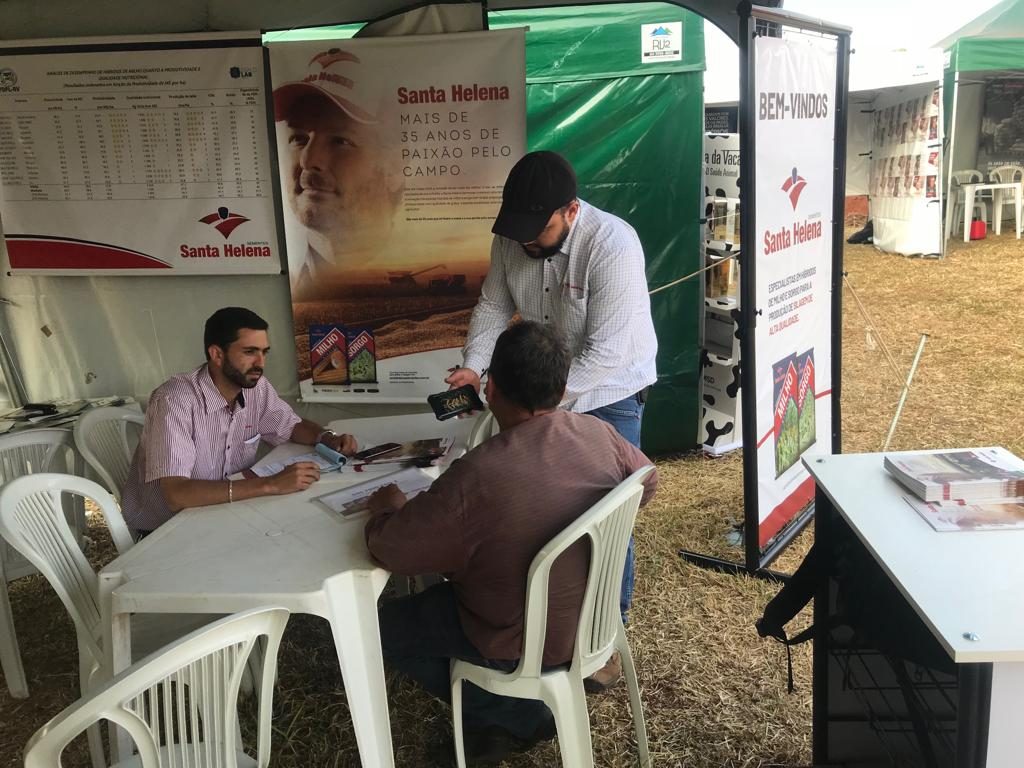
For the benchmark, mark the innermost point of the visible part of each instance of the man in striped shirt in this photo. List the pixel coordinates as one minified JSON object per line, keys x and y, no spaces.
{"x":557,"y":260}
{"x":206,"y":425}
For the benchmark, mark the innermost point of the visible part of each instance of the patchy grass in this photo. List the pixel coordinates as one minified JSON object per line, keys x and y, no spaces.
{"x":714,"y":693}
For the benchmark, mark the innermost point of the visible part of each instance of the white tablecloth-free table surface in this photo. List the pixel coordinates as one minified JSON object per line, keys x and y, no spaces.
{"x":277,"y":550}
{"x":965,"y":585}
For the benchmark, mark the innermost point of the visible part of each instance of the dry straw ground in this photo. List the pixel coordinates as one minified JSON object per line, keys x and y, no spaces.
{"x":714,"y":694}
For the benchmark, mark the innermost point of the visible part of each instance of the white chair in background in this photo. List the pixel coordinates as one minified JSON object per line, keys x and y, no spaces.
{"x":485,"y":428}
{"x":104,"y":438}
{"x":148,"y":700}
{"x":33,"y":522}
{"x":22,"y":453}
{"x":608,"y":525}
{"x":1006,"y":174}
{"x":957,"y":180}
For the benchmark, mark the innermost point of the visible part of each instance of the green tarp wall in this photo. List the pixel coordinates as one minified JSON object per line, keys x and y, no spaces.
{"x":634,"y":133}
{"x":993,"y":41}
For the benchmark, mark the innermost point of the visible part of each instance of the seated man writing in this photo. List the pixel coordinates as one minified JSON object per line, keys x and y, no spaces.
{"x":482,"y":523}
{"x":203,"y":426}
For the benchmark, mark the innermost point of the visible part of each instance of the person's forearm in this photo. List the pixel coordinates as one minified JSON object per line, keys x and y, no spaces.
{"x":307,"y":432}
{"x":180,"y":493}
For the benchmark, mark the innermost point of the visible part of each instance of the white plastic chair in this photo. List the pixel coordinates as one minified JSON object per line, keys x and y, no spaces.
{"x":1006,"y":174}
{"x":486,"y":427}
{"x":22,"y":453}
{"x":969,"y":176}
{"x":165,"y":701}
{"x":102,"y":437}
{"x":32,"y":521}
{"x":608,"y":524}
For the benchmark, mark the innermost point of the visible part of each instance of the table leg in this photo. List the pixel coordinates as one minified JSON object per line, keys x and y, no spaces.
{"x":352,"y":607}
{"x":10,"y":655}
{"x":968,"y":210}
{"x":117,"y":645}
{"x":1017,"y":191}
{"x":1005,"y":737}
{"x":997,"y":214}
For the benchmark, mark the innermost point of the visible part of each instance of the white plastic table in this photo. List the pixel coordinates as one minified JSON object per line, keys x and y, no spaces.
{"x":965,"y":586}
{"x":998,"y":190}
{"x":283,"y":551}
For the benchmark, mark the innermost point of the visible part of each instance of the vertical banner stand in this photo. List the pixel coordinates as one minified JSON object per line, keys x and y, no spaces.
{"x":757,"y":21}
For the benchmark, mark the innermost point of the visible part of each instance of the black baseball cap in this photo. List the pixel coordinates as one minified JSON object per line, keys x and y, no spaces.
{"x":537,"y":186}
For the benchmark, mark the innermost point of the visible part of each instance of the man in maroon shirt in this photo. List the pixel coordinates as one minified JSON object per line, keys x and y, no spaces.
{"x":482,"y":523}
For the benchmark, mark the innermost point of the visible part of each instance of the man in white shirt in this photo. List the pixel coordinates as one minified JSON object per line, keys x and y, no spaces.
{"x":556,"y":259}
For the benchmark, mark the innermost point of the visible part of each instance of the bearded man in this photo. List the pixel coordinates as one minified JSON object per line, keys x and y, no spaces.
{"x":206,"y":425}
{"x":557,"y":260}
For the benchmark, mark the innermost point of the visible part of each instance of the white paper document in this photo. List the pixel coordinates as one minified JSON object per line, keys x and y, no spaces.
{"x":353,"y":500}
{"x":272,"y":468}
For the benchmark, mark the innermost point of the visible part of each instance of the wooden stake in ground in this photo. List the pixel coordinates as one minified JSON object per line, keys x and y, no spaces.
{"x":905,"y":392}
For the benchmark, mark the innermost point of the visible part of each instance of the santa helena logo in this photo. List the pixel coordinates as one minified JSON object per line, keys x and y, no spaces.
{"x":224,"y":221}
{"x":793,"y":186}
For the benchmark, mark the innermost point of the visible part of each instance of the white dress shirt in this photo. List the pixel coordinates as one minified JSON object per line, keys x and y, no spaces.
{"x":594,"y":290}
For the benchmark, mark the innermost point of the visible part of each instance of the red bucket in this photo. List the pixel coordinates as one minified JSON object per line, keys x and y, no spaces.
{"x":978,"y":229}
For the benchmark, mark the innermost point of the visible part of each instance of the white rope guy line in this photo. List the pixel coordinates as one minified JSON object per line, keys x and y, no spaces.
{"x":693,"y":274}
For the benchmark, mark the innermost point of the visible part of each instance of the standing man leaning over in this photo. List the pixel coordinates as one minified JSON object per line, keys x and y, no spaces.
{"x":482,"y":523}
{"x":206,"y":425}
{"x":557,"y":260}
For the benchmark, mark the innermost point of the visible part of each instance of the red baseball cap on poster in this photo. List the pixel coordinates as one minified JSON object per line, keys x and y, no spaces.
{"x":332,"y":74}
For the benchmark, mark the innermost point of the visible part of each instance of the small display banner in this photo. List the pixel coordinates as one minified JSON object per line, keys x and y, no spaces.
{"x":795,"y":84}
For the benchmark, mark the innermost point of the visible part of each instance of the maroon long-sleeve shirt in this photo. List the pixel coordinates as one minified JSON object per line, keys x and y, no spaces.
{"x":485,"y":519}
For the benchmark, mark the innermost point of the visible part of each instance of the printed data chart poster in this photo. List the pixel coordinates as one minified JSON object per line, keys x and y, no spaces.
{"x":393,"y":153}
{"x":795,"y":85}
{"x":136,"y":156}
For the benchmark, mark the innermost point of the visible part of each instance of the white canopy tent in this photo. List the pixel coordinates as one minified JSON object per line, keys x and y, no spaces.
{"x":878,"y":80}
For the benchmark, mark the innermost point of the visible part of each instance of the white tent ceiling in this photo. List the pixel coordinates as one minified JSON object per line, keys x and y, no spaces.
{"x":26,"y":19}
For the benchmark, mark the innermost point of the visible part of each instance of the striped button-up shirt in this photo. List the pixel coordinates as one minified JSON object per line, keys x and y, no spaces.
{"x":192,"y":431}
{"x":594,"y":291}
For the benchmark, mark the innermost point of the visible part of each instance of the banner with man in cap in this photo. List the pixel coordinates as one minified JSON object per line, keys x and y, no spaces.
{"x":392,"y":155}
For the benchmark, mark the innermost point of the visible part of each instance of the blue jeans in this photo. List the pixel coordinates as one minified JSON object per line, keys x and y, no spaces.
{"x":625,"y":416}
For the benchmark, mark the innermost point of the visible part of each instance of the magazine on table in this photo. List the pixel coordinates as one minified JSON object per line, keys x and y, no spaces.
{"x":355,"y":499}
{"x":977,"y":474}
{"x":999,"y":515}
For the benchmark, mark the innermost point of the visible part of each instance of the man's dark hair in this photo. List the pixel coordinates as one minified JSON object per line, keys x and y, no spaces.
{"x":530,"y":365}
{"x":222,"y":326}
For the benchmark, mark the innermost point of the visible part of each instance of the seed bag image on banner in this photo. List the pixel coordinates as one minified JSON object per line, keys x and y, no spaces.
{"x":392,"y":153}
{"x":795,"y":84}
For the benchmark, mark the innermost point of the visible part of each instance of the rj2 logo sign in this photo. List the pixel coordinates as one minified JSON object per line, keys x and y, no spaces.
{"x":661,"y":42}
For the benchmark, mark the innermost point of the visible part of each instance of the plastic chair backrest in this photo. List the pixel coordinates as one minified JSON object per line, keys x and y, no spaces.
{"x":186,"y":689}
{"x":34,"y":450}
{"x":969,"y":176}
{"x":1005,"y":174}
{"x":101,"y":436}
{"x":23,"y":453}
{"x":32,"y":521}
{"x":485,"y":428}
{"x":608,"y":524}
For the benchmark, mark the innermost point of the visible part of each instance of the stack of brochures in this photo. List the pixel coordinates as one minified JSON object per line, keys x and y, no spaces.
{"x":975,"y":489}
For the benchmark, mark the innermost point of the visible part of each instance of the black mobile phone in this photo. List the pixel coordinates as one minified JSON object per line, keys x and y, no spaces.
{"x":378,"y":450}
{"x":455,"y":401}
